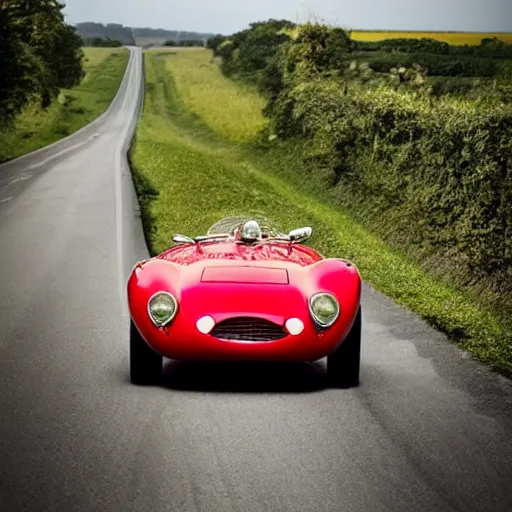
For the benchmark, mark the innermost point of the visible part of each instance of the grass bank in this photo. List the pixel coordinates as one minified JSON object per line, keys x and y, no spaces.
{"x":195,"y":160}
{"x":35,"y":128}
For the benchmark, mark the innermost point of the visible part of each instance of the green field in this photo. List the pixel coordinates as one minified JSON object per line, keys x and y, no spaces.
{"x":35,"y":128}
{"x":194,"y":162}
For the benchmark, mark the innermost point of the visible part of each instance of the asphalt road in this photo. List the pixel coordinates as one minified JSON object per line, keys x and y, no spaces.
{"x":427,"y":430}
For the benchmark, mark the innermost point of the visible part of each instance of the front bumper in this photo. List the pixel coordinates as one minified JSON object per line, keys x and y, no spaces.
{"x":182,"y":341}
{"x":272,"y":301}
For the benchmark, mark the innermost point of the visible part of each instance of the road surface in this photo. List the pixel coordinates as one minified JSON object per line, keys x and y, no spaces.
{"x":428,"y":429}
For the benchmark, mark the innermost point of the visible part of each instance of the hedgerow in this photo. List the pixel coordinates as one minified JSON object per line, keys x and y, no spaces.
{"x":488,"y":48}
{"x":429,"y":172}
{"x":437,"y":65}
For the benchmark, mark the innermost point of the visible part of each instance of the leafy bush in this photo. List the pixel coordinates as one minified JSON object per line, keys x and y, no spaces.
{"x":316,"y":49}
{"x":437,"y":65}
{"x":250,"y":52}
{"x":457,"y":86}
{"x":488,"y":48}
{"x":405,"y":45}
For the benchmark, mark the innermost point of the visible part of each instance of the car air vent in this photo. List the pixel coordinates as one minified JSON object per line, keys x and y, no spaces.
{"x":248,"y":329}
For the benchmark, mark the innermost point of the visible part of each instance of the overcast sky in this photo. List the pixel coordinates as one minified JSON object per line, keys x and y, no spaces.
{"x":228,"y":16}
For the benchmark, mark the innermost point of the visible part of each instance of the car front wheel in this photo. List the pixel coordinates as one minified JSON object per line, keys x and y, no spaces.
{"x":145,"y":363}
{"x":344,"y":363}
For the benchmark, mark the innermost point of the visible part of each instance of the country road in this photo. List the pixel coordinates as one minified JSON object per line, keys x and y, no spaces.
{"x":427,"y":430}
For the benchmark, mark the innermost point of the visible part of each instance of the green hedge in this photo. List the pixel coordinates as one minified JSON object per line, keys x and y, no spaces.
{"x":489,"y":47}
{"x":432,"y":175}
{"x":437,"y":65}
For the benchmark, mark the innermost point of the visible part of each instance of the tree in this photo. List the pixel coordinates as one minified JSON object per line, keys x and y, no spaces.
{"x":214,"y":42}
{"x":66,"y":57}
{"x":16,"y":82}
{"x":317,"y":49}
{"x":54,"y":44}
{"x":49,"y":49}
{"x":260,"y":45}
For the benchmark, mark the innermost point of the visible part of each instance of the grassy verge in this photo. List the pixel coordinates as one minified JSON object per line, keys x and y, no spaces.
{"x":195,"y":161}
{"x":35,"y":128}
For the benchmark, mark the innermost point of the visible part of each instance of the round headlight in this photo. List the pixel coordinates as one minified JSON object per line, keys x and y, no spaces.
{"x":162,"y":308}
{"x":324,"y":309}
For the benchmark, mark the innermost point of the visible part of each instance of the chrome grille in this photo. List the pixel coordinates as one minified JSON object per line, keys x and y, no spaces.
{"x":248,"y":329}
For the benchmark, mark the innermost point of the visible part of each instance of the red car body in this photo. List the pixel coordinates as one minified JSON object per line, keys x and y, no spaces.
{"x":250,"y":290}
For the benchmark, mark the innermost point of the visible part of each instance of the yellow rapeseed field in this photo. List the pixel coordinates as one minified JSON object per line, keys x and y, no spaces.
{"x":455,"y":38}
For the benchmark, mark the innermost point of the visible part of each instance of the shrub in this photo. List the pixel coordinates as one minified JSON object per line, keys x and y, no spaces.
{"x":436,"y":65}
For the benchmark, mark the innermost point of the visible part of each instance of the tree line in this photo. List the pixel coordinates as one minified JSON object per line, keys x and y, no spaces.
{"x":101,"y":43}
{"x":185,"y":42}
{"x":90,"y":31}
{"x":113,"y":31}
{"x":40,"y":55}
{"x":489,"y":47}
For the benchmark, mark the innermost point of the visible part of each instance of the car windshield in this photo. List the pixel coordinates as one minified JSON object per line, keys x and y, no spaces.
{"x":228,"y":225}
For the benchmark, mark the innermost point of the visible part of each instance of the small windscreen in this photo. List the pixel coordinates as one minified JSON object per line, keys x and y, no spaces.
{"x":228,"y":225}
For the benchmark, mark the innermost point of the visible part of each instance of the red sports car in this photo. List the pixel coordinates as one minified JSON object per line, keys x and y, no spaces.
{"x":245,"y":292}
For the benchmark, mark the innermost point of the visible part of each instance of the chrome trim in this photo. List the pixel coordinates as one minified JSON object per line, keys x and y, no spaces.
{"x":300,"y":235}
{"x":182,"y":239}
{"x":159,"y":325}
{"x":247,"y":328}
{"x":316,"y":320}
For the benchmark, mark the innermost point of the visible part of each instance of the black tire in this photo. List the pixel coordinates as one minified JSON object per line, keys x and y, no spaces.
{"x":344,"y":364}
{"x":145,"y":363}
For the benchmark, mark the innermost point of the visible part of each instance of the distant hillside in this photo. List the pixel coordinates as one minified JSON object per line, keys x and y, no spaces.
{"x":114,"y":31}
{"x":134,"y":35}
{"x":172,"y":35}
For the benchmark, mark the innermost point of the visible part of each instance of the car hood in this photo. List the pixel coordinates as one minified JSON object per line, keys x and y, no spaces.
{"x":231,"y":288}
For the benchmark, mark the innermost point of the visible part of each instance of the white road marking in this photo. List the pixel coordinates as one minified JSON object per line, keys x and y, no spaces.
{"x":23,"y":177}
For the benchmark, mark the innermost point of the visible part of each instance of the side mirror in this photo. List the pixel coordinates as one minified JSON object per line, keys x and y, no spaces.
{"x":182,"y":239}
{"x":300,"y":235}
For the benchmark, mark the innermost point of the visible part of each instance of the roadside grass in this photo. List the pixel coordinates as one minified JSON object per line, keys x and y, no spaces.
{"x":191,"y":168}
{"x":194,"y":84}
{"x":35,"y":128}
